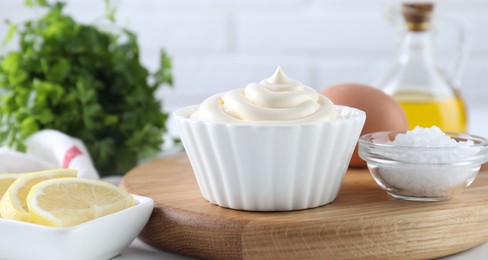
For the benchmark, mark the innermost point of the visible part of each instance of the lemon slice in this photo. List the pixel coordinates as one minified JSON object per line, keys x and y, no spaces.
{"x":6,"y":179}
{"x":71,"y":201}
{"x":13,"y":204}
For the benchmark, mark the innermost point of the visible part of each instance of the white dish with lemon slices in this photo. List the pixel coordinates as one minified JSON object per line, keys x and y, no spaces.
{"x":54,"y":215}
{"x":101,"y":238}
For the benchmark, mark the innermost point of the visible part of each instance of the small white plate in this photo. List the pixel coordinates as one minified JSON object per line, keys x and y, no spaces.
{"x":101,"y":238}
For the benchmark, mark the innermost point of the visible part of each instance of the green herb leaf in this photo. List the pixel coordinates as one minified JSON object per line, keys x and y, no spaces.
{"x":110,"y":11}
{"x":12,"y":28}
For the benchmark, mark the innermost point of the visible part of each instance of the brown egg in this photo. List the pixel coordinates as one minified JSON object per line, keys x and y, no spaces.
{"x":383,"y":113}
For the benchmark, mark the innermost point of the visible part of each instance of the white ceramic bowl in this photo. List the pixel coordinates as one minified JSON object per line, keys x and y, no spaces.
{"x":270,"y":167}
{"x":101,"y":238}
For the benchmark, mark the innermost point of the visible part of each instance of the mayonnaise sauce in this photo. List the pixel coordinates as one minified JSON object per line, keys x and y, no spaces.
{"x":277,"y":99}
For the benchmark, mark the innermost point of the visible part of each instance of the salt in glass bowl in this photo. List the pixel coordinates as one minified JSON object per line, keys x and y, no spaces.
{"x":422,"y":173}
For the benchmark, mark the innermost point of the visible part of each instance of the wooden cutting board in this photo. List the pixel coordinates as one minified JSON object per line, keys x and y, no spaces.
{"x":362,"y":223}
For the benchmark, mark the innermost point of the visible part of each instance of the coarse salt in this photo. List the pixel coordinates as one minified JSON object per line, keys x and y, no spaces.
{"x":434,"y":141}
{"x":427,"y":137}
{"x":426,"y":169}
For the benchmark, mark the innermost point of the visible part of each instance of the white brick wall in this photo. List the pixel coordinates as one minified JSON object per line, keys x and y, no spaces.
{"x":222,"y":44}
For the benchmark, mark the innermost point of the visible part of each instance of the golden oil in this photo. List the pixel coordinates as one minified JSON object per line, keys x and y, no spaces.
{"x":425,"y":110}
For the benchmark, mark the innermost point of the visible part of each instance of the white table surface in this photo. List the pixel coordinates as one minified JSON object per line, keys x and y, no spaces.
{"x":478,"y":124}
{"x":138,"y":250}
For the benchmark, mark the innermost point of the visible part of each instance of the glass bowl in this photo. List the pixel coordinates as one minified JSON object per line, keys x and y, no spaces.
{"x":422,"y":173}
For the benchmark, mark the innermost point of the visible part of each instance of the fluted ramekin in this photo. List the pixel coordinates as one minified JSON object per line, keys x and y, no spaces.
{"x":270,"y":167}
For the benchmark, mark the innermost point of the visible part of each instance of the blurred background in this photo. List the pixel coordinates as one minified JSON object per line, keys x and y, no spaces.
{"x":217,"y":45}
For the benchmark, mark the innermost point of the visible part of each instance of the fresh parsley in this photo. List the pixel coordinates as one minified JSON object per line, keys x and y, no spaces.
{"x":85,"y":82}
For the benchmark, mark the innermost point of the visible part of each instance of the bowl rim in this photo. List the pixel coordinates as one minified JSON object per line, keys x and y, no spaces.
{"x":364,"y":140}
{"x":379,"y":153}
{"x":356,"y":115}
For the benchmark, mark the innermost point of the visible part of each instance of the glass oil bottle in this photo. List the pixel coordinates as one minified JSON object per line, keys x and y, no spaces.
{"x":425,"y":94}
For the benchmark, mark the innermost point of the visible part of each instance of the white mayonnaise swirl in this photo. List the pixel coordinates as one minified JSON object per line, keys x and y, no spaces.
{"x":278,"y":99}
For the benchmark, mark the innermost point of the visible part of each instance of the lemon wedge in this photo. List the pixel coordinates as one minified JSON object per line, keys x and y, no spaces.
{"x":13,"y":203}
{"x":70,"y":201}
{"x":6,"y":179}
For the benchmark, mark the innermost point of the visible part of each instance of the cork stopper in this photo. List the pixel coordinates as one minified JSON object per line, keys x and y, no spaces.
{"x":417,"y":15}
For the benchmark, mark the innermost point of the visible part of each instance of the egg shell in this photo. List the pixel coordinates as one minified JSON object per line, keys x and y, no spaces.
{"x":383,"y":112}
